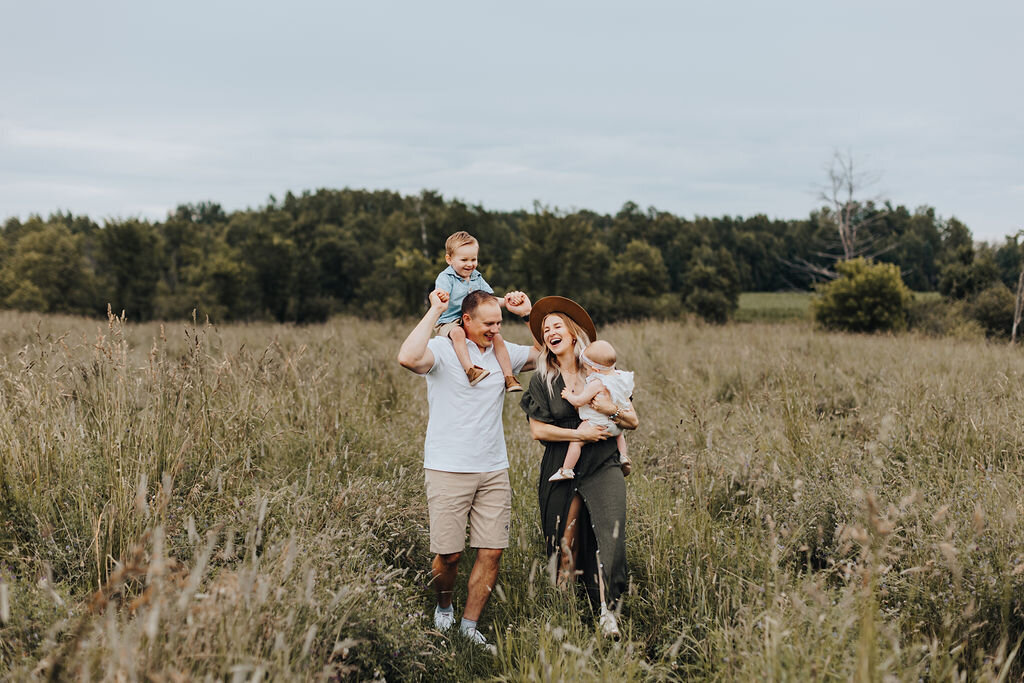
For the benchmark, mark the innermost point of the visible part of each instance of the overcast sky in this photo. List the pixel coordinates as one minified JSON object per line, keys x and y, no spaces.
{"x":118,"y":109}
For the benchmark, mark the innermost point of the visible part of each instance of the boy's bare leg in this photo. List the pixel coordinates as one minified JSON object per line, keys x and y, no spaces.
{"x":501,"y":353}
{"x":458,"y":337}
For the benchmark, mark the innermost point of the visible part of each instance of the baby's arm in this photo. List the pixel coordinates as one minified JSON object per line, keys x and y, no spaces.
{"x":590,"y":390}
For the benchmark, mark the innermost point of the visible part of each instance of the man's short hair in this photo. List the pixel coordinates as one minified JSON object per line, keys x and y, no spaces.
{"x":457,"y":240}
{"x":474,"y":299}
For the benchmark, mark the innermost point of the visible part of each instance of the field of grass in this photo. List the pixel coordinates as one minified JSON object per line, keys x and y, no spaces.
{"x":769,"y":307}
{"x":774,"y":306}
{"x":246,"y":503}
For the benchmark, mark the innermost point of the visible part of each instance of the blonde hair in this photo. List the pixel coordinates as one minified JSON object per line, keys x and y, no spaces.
{"x":456,"y":240}
{"x":547,"y":362}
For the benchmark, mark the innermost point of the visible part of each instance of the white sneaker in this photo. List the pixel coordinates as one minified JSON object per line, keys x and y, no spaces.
{"x":609,"y":626}
{"x":443,"y":620}
{"x":477,"y":638}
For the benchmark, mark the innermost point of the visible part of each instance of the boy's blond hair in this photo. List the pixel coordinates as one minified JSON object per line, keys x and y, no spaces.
{"x":457,"y":240}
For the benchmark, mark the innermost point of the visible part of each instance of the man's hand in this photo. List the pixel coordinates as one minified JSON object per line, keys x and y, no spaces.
{"x":517,"y":302}
{"x":588,"y":432}
{"x":514,"y":298}
{"x":438,"y":300}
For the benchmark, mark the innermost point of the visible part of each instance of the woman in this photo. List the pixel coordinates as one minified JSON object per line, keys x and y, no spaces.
{"x":584,"y":518}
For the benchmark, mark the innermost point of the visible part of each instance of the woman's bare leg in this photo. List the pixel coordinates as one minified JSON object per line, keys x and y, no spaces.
{"x":569,"y":548}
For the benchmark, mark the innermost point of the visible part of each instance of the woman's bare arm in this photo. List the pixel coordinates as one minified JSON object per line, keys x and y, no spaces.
{"x":586,"y":432}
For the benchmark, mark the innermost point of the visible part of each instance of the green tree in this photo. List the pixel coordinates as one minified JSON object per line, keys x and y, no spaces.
{"x":639,"y":282}
{"x":46,"y":272}
{"x":712,"y":284}
{"x":130,"y":256}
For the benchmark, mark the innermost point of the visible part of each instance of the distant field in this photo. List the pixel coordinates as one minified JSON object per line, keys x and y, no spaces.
{"x":774,"y":306}
{"x":249,"y":501}
{"x":783,"y":306}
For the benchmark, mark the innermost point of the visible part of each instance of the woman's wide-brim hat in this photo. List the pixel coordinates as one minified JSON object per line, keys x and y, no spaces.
{"x":559,"y":304}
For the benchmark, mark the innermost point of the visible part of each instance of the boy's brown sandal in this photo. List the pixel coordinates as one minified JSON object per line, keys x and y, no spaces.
{"x":512,"y":384}
{"x":475,"y":374}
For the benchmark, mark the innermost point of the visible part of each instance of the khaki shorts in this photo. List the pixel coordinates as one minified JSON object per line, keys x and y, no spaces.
{"x":485,"y":498}
{"x":443,"y":329}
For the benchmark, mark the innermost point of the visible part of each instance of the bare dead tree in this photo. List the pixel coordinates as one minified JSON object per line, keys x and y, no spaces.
{"x":845,"y":209}
{"x":854,"y":217}
{"x":423,"y":223}
{"x":1018,"y":309}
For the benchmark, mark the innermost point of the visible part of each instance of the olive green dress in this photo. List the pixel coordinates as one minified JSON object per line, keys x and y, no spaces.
{"x":599,"y":481}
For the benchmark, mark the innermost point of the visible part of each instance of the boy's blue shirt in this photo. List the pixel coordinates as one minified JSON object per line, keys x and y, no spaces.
{"x":457,"y":289}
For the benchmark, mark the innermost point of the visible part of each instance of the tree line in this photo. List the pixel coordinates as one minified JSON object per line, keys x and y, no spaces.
{"x":376,"y":254}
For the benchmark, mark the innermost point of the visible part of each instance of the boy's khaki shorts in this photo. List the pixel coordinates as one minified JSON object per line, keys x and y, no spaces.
{"x":443,"y":329}
{"x":485,"y":498}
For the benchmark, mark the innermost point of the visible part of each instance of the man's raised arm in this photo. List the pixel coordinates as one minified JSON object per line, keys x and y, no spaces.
{"x":522,"y":309}
{"x":414,"y":354}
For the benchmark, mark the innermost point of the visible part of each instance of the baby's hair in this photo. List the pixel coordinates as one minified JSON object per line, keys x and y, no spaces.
{"x":456,"y":240}
{"x":601,"y":352}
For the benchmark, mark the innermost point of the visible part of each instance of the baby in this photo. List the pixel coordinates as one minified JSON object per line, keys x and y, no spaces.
{"x":599,"y":360}
{"x":459,"y":279}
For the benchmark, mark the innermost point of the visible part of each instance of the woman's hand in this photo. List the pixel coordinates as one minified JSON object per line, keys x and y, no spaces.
{"x":588,"y":433}
{"x":626,"y":418}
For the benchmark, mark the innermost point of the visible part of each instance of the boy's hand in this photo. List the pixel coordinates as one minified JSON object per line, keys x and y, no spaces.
{"x":520,"y":306}
{"x":566,"y":393}
{"x":438,"y":300}
{"x":514,"y":298}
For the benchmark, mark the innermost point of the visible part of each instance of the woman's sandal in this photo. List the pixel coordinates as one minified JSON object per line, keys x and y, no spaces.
{"x":563,"y":474}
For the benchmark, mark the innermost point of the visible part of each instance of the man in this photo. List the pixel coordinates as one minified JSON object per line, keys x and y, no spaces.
{"x":464,"y":457}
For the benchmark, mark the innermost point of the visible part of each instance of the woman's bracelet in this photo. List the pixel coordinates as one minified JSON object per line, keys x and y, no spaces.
{"x":615,"y":414}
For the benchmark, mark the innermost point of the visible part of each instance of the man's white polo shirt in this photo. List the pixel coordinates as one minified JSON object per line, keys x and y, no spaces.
{"x":464,"y":433}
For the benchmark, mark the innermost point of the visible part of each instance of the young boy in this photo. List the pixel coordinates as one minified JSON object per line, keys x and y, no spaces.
{"x":459,"y":279}
{"x":599,"y":361}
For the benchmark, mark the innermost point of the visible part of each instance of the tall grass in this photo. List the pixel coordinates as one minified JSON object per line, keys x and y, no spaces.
{"x":246,"y":503}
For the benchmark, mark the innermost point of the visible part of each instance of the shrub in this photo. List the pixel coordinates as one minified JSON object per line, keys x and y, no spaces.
{"x":962,"y":280}
{"x":867,"y":297}
{"x":992,"y":308}
{"x":943,"y":318}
